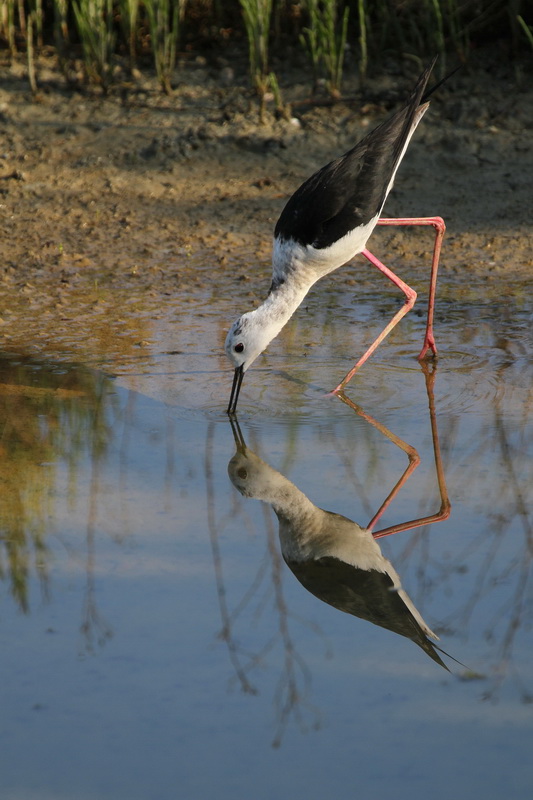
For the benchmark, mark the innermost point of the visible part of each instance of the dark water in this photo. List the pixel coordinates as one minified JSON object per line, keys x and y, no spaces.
{"x":155,"y":644}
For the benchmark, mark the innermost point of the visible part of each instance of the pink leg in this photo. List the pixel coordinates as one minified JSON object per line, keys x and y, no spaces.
{"x":440,"y":227}
{"x":414,"y":460}
{"x":410,"y":297}
{"x":410,"y":294}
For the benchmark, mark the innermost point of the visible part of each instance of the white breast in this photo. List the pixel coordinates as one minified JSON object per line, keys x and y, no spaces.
{"x":311,"y":263}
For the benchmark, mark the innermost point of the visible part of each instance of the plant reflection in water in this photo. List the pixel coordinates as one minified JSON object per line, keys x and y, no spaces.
{"x":52,"y":415}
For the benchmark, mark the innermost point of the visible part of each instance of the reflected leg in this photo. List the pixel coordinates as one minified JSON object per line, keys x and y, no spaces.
{"x":445,"y":505}
{"x":411,"y":453}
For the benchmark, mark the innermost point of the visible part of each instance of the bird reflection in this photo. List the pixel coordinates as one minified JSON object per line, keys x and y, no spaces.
{"x":333,"y":557}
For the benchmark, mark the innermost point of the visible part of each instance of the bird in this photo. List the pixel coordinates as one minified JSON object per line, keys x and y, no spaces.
{"x":333,"y":557}
{"x":328,"y":221}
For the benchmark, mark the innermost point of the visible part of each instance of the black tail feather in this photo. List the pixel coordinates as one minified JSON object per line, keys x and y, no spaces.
{"x":439,"y":83}
{"x":444,"y":653}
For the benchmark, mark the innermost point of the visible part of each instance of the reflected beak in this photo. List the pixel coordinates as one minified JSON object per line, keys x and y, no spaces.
{"x":235,"y":389}
{"x":240,"y":444}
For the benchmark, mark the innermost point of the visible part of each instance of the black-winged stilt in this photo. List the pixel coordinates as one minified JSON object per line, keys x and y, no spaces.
{"x":333,"y":557}
{"x":328,"y":221}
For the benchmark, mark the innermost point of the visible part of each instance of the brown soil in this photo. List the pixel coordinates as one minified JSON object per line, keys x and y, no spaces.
{"x":127,"y":200}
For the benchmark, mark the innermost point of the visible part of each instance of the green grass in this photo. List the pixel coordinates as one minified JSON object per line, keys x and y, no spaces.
{"x":527,"y":30}
{"x":330,"y":36}
{"x":164,"y":18}
{"x":94,"y":23}
{"x":257,"y":18}
{"x":324,"y":38}
{"x":129,"y":17}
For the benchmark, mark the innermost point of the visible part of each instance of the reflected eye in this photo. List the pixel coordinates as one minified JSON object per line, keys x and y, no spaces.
{"x":239,"y":347}
{"x":242,"y":473}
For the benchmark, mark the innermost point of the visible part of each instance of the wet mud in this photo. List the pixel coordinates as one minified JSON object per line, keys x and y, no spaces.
{"x":115,"y":209}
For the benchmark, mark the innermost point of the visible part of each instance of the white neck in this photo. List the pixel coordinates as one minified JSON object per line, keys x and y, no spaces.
{"x":309,"y":532}
{"x":274,"y":313}
{"x":286,"y":499}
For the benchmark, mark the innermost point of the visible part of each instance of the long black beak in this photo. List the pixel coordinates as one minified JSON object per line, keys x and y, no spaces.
{"x":235,"y":389}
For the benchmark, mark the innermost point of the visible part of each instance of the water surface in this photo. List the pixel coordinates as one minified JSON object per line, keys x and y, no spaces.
{"x":155,"y":644}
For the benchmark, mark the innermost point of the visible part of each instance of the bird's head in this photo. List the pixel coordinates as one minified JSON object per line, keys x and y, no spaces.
{"x":246,"y":339}
{"x":253,"y":477}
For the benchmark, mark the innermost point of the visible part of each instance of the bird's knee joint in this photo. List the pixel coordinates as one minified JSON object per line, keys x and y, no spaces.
{"x":439,"y":225}
{"x":410,"y":298}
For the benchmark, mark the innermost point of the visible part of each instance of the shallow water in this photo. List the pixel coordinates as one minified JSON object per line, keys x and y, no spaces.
{"x":155,"y":645}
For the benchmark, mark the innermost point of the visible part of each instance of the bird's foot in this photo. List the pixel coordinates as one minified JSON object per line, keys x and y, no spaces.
{"x":429,"y":344}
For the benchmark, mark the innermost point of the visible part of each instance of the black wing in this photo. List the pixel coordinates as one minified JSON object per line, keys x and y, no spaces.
{"x":367,"y":594}
{"x":348,"y":192}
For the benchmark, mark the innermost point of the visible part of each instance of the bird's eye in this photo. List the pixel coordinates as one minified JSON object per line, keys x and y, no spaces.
{"x":239,"y":347}
{"x":242,"y":473}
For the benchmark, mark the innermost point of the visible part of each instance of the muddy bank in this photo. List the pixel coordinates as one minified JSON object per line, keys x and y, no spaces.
{"x":112,"y":205}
